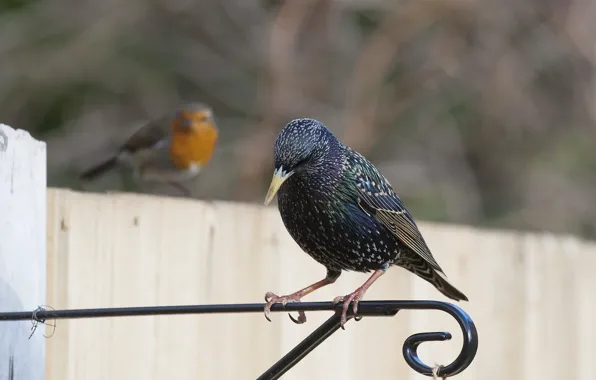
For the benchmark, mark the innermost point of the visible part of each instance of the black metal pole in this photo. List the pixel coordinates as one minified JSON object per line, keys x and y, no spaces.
{"x":366,"y":309}
{"x":44,"y":314}
{"x":302,"y":349}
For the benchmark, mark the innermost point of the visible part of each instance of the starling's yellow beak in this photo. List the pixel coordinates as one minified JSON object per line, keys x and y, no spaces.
{"x":279,"y":177}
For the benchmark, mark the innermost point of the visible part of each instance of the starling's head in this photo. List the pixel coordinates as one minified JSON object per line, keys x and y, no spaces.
{"x":300,"y":146}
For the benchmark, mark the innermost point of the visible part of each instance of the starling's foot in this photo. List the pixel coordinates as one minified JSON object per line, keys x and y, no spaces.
{"x":272,"y":298}
{"x":354,"y":297}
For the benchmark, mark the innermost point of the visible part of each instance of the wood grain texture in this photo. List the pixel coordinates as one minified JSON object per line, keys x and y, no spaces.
{"x":531,"y":296}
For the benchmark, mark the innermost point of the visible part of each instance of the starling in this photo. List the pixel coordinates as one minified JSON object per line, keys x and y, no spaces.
{"x":342,"y":211}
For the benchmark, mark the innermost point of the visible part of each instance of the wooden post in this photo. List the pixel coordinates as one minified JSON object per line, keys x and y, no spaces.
{"x":22,"y":251}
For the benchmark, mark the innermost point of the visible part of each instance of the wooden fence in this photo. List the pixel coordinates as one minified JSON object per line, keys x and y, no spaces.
{"x":532,"y":296}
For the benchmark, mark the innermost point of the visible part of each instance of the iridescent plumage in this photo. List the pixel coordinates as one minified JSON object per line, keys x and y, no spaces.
{"x":342,"y":211}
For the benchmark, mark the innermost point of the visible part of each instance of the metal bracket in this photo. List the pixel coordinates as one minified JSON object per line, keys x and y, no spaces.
{"x":365,"y":309}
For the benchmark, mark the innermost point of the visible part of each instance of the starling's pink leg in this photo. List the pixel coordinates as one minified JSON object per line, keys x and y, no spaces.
{"x":273,"y":298}
{"x":356,"y":296}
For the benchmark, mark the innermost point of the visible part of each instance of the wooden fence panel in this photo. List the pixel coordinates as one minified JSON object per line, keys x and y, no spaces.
{"x":531,"y":296}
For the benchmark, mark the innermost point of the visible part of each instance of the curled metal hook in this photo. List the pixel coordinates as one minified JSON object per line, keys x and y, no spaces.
{"x":384,"y":309}
{"x":466,"y":355}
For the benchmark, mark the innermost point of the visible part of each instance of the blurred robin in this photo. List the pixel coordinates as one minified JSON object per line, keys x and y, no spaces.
{"x":171,"y":150}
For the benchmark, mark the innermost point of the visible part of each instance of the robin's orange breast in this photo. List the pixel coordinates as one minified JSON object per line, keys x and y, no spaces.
{"x":194,"y":146}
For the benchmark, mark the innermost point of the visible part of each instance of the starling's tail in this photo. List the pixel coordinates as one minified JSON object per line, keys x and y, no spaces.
{"x":99,"y":169}
{"x":421,"y":268}
{"x":443,"y":285}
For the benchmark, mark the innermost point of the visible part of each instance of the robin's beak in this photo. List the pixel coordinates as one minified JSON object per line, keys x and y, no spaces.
{"x":279,"y":177}
{"x":200,"y":122}
{"x":203,"y":125}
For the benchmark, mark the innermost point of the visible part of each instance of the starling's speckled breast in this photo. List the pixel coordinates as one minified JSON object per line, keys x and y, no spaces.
{"x":320,"y":210}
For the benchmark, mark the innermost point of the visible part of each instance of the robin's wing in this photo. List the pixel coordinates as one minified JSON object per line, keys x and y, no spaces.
{"x":147,"y":136}
{"x":377,"y":198}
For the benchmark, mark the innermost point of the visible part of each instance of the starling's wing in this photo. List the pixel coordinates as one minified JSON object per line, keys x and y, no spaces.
{"x":377,"y":198}
{"x":147,"y":136}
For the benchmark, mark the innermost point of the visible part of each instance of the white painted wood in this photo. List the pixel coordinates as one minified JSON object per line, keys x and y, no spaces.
{"x":22,"y":251}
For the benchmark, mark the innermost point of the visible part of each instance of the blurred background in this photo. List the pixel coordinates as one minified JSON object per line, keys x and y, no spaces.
{"x":478,"y":112}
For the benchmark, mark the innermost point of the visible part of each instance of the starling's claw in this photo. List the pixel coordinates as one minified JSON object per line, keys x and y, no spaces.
{"x":268,"y":296}
{"x":272,"y":298}
{"x":301,"y":318}
{"x":354,"y":297}
{"x":344,"y":312}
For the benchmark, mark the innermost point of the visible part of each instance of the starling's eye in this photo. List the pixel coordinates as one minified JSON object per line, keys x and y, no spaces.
{"x":301,"y":163}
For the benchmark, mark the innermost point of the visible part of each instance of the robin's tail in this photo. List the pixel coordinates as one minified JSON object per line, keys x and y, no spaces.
{"x":99,"y":169}
{"x":421,"y":268}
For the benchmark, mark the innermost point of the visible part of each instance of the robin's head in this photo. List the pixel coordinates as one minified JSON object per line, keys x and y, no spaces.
{"x":195,"y":118}
{"x":301,"y":147}
{"x":194,"y":135}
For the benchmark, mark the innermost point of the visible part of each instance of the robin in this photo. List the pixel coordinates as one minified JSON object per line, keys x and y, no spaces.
{"x":170,"y":150}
